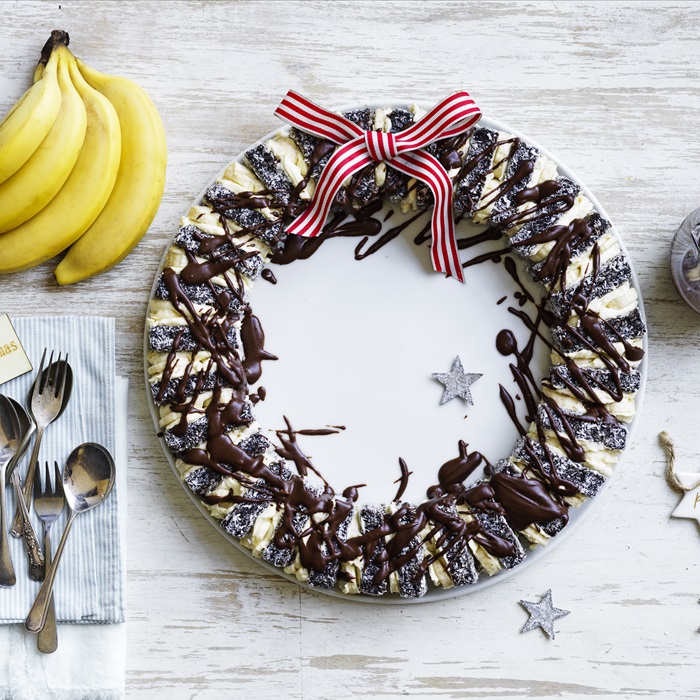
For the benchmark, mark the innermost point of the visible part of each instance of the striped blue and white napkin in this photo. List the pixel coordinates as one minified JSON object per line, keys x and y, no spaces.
{"x":69,"y":673}
{"x":89,"y":586}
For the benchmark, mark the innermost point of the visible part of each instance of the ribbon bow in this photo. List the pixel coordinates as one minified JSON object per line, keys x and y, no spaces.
{"x":403,"y":150}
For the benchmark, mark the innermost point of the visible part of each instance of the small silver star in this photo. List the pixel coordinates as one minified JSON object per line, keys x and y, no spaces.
{"x":542,"y":614}
{"x":456,"y":382}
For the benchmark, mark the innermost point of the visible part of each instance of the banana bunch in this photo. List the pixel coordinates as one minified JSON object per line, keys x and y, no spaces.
{"x":82,"y":167}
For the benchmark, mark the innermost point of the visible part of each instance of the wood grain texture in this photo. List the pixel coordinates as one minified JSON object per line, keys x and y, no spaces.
{"x":614,"y":90}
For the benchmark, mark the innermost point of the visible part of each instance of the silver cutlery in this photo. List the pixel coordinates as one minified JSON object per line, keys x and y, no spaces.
{"x":46,"y":404}
{"x":26,"y":430}
{"x":49,"y":502}
{"x":31,"y":542}
{"x":87,"y":481}
{"x":9,"y":442}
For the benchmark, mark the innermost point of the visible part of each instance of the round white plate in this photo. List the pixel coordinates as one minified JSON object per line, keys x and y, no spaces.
{"x":357,"y":342}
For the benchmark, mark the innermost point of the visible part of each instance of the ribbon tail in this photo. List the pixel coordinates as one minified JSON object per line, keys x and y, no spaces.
{"x":444,"y":253}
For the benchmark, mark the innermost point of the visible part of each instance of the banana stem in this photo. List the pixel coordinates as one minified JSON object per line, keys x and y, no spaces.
{"x":58,"y":38}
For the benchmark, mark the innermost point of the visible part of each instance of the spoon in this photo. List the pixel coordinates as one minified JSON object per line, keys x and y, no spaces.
{"x":31,"y":541}
{"x":26,"y":430}
{"x":9,"y":442}
{"x":87,"y":481}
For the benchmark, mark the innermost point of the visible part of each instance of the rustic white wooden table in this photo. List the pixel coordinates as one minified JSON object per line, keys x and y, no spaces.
{"x":614,"y":90}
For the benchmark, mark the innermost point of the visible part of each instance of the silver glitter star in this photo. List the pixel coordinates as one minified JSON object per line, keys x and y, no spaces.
{"x":542,"y":614}
{"x":456,"y":382}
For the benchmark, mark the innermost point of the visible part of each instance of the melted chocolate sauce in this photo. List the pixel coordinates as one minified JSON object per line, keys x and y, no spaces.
{"x":312,"y":516}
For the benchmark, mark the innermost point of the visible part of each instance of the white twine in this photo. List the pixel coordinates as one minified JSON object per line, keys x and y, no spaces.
{"x":671,"y":476}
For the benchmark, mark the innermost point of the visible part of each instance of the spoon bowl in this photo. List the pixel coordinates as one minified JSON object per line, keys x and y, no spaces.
{"x":9,"y":430}
{"x":26,"y":430}
{"x":88,"y":477}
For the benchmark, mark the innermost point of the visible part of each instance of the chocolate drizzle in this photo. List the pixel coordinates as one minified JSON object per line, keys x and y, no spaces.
{"x":213,"y":395}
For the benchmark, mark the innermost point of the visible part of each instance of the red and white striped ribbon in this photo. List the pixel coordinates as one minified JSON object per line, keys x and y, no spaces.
{"x":358,"y":148}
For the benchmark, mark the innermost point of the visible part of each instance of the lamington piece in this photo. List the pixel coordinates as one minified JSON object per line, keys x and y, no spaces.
{"x":266,"y":167}
{"x":202,"y":480}
{"x":521,"y":163}
{"x":628,"y":327}
{"x":307,"y":143}
{"x":400,"y":119}
{"x":255,"y":444}
{"x":409,"y":580}
{"x":593,"y":229}
{"x":529,"y":221}
{"x":372,"y":518}
{"x":283,"y":556}
{"x":240,"y":519}
{"x":493,"y":523}
{"x":363,"y":188}
{"x":600,"y":380}
{"x":196,"y":432}
{"x":217,"y":197}
{"x":531,"y":454}
{"x":190,"y":237}
{"x":250,"y":220}
{"x":489,"y":521}
{"x":362,"y":117}
{"x":454,"y":565}
{"x":162,"y":336}
{"x":610,"y":433}
{"x":469,"y":183}
{"x":327,"y":578}
{"x":395,"y":187}
{"x":203,"y":294}
{"x":176,"y":385}
{"x":610,"y":276}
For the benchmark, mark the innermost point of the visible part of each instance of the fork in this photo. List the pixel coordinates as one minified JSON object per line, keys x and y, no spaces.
{"x":49,"y":503}
{"x":46,"y":401}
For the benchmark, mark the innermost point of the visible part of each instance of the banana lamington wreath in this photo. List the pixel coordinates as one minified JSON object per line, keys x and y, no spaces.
{"x":206,"y":348}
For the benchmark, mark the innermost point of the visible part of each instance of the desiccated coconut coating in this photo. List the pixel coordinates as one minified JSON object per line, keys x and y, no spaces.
{"x":166,"y":395}
{"x":190,"y":237}
{"x":268,"y":170}
{"x":610,"y":434}
{"x":205,"y":294}
{"x":561,"y":377}
{"x":468,"y":186}
{"x":532,"y":454}
{"x":506,"y":212}
{"x":162,"y":337}
{"x":611,"y":275}
{"x":371,"y":518}
{"x":628,"y":327}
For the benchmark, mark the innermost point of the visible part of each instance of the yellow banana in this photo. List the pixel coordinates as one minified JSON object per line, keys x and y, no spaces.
{"x":83,"y":196}
{"x":28,"y":122}
{"x":138,"y":189}
{"x":38,"y":181}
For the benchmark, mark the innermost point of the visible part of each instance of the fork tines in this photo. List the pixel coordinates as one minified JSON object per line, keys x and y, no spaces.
{"x":47,"y":490}
{"x":55,"y":376}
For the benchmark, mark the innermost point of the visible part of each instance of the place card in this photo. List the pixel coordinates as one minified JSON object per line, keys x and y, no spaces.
{"x":13,"y":359}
